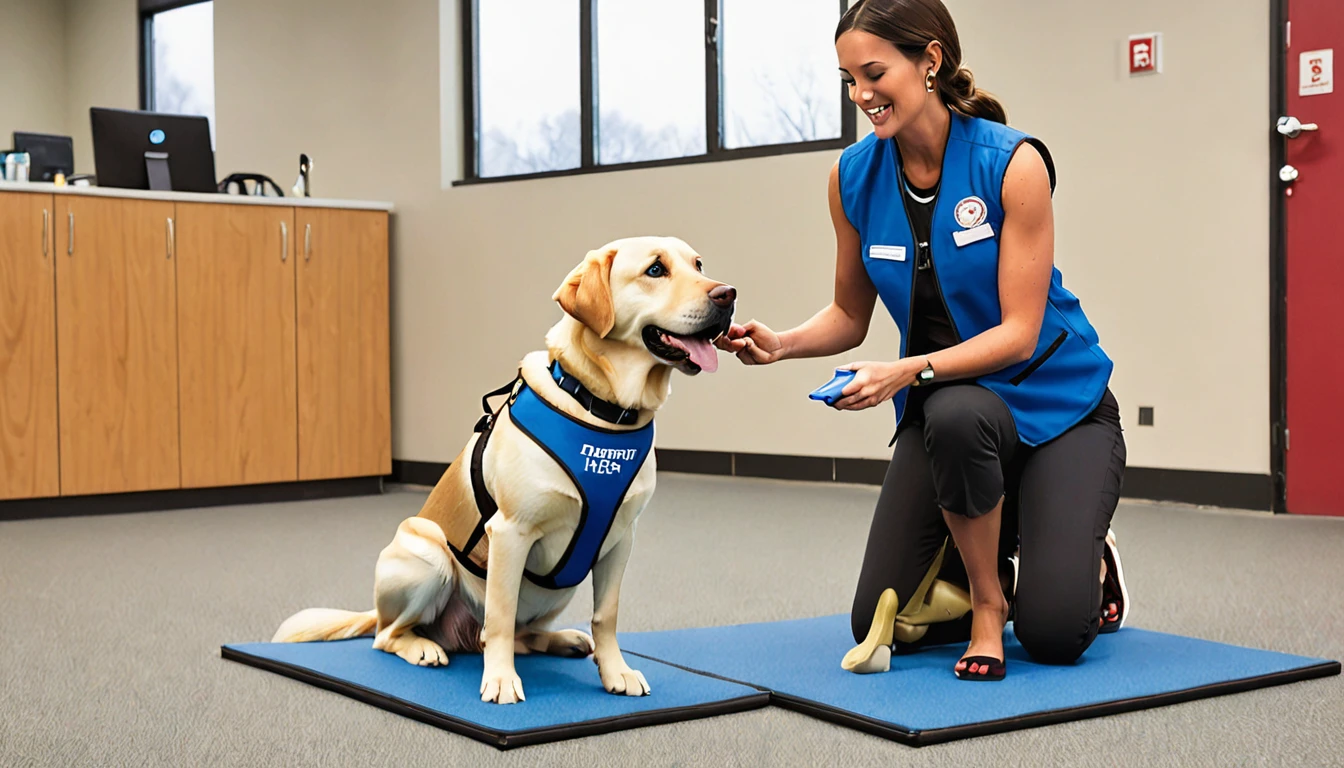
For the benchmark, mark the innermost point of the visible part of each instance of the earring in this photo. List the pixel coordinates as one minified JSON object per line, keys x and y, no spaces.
{"x":928,"y":82}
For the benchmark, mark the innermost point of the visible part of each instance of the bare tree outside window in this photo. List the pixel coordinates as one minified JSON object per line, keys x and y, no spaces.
{"x":184,"y":62}
{"x":528,"y":74}
{"x":778,"y":80}
{"x":552,"y":144}
{"x":650,"y":79}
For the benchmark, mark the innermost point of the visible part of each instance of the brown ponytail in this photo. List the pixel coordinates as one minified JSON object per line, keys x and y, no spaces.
{"x":959,"y":92}
{"x":911,"y":25}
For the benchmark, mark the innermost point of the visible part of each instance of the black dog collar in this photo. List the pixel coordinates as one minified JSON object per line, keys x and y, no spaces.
{"x":609,"y":412}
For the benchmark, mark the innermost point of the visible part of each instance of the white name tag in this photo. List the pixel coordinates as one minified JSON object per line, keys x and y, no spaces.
{"x":973,"y":235}
{"x":888,"y":252}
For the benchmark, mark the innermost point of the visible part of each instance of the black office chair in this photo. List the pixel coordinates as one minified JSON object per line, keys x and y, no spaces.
{"x":250,"y":184}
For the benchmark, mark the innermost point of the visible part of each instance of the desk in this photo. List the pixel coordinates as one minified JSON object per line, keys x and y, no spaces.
{"x":154,"y":341}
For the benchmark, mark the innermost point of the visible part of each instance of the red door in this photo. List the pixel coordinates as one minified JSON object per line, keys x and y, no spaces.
{"x":1314,"y":225}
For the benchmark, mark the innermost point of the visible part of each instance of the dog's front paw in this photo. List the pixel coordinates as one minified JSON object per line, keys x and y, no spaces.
{"x":502,"y":687}
{"x":619,"y":678}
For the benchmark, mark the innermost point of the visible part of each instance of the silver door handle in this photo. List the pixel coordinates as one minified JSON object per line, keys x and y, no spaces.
{"x":44,"y":232}
{"x":70,"y":246}
{"x":1287,"y":174}
{"x":307,"y":241}
{"x":1292,"y":127}
{"x":284,"y":241}
{"x":172,"y":238}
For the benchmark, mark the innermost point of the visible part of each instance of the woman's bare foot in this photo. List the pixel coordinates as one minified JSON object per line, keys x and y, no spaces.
{"x":987,"y":621}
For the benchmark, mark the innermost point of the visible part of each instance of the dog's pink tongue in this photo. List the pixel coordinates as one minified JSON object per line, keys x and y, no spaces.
{"x":702,"y":353}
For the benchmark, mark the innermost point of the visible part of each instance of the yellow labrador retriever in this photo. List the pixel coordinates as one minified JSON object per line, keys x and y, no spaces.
{"x":551,"y":484}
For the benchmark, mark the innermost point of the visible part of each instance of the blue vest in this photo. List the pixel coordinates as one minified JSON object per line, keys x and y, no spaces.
{"x":1067,"y":375}
{"x":601,"y":462}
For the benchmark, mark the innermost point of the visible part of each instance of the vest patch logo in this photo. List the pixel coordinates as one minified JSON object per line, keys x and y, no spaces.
{"x":605,"y":461}
{"x":971,"y":212}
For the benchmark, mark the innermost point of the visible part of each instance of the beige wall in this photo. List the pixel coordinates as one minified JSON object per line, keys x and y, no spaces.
{"x":1161,"y":213}
{"x":1162,"y":204}
{"x":62,"y":57}
{"x":102,"y":66}
{"x":32,"y":68}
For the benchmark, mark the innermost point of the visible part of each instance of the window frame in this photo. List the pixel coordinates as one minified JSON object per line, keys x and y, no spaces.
{"x":146,"y":9}
{"x":714,"y":123}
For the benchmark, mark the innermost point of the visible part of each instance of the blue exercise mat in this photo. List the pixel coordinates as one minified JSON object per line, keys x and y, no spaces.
{"x":565,"y":698}
{"x":921,"y":702}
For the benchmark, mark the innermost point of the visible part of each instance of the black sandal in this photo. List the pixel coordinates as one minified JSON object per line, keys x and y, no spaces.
{"x":997,"y":669}
{"x":1113,"y":589}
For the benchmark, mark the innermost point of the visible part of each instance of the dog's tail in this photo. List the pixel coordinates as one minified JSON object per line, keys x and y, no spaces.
{"x":325,"y":624}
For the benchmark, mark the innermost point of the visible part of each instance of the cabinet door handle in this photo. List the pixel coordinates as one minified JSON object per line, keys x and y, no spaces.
{"x":284,"y":241}
{"x":307,"y":241}
{"x":70,"y":246}
{"x":172,"y":239}
{"x":44,"y":232}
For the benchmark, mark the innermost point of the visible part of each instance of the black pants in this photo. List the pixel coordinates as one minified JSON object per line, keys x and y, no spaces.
{"x":958,"y":450}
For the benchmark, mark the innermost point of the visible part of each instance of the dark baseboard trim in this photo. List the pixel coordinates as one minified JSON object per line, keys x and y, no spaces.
{"x":186,"y":498}
{"x":806,"y":468}
{"x":694,"y":462}
{"x":1215,"y":489}
{"x":417,"y":472}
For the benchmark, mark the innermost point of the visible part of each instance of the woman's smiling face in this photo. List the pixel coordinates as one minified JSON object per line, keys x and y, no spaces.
{"x":887,"y":85}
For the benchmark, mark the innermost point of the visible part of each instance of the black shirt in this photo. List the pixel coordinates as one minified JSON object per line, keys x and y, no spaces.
{"x":931,"y":328}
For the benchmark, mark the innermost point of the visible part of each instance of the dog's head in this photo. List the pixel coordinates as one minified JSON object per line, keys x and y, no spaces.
{"x":651,"y":293}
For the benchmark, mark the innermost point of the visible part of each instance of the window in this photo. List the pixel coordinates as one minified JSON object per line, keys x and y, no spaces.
{"x":178,"y":58}
{"x":575,"y":86}
{"x":650,"y":88}
{"x":778,"y":73}
{"x":529,"y":119}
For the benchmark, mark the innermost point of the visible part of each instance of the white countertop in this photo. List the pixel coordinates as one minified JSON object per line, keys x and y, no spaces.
{"x":46,"y":187}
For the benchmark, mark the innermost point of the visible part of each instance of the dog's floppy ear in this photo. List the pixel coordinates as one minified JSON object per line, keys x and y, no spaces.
{"x":586,"y":293}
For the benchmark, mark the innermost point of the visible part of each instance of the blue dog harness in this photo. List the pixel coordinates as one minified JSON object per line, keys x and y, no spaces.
{"x":601,"y":462}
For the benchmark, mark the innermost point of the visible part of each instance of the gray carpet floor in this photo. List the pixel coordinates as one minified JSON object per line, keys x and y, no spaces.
{"x":112,"y":625}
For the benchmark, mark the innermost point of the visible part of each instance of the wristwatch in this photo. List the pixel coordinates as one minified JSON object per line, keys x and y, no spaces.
{"x":924,"y":377}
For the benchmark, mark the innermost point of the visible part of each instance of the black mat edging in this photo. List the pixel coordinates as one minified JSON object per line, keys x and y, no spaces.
{"x":1052,"y":717}
{"x":504,"y":740}
{"x":911,"y":738}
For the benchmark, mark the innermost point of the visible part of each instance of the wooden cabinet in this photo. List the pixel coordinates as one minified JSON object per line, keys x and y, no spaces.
{"x":151,"y":342}
{"x":345,"y":420}
{"x":28,"y":417}
{"x":236,"y":357}
{"x":117,"y":345}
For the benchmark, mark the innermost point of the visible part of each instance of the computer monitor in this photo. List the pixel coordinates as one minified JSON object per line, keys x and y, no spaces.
{"x":48,"y":154}
{"x":152,"y":150}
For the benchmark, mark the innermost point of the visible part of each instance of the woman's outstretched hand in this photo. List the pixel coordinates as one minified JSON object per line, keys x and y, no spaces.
{"x":753,"y":343}
{"x":876,"y":383}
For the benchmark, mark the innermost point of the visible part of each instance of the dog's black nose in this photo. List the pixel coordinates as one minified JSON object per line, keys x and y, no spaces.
{"x":723,"y":296}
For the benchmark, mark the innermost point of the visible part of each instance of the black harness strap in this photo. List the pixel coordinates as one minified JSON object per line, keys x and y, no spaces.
{"x":484,"y":503}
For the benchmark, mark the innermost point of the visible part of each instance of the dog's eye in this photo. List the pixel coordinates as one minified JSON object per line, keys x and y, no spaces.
{"x":656,"y":270}
{"x":700,"y":265}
